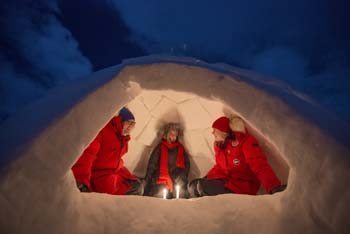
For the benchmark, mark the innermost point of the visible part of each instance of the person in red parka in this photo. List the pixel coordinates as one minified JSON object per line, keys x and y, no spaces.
{"x":100,"y":168}
{"x":241,"y":166}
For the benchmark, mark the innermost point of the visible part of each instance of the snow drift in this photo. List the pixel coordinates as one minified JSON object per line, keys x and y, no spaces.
{"x":306,"y":146}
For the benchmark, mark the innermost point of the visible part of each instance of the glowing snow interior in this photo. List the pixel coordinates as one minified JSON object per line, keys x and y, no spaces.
{"x":152,"y":109}
{"x":39,"y":145}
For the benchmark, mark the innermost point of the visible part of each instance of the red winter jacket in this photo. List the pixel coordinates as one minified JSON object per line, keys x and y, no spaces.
{"x":243,"y":167}
{"x":101,"y":166}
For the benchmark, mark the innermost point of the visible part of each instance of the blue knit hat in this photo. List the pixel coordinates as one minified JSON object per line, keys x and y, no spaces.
{"x":126,"y":115}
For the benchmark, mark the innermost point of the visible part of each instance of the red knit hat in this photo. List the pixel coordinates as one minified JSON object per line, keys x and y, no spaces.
{"x":222,"y":124}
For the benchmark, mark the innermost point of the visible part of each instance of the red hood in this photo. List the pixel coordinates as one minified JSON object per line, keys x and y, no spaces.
{"x":240,"y":136}
{"x":117,"y":124}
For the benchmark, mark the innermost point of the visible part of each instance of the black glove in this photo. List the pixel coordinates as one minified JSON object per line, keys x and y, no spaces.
{"x":83,"y":188}
{"x":278,"y":189}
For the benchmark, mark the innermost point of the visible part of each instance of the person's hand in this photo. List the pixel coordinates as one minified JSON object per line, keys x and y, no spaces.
{"x":278,"y":189}
{"x":83,"y":188}
{"x":143,"y":182}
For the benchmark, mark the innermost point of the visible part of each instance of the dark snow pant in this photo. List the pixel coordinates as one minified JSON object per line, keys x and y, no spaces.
{"x":205,"y":187}
{"x":137,"y":187}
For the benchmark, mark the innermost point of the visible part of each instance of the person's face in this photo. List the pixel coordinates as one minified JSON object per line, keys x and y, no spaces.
{"x":219,"y":136}
{"x":172,"y":135}
{"x":128,"y":126}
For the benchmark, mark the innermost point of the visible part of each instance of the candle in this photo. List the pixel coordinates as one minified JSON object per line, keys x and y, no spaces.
{"x":177,"y":188}
{"x":165,"y":193}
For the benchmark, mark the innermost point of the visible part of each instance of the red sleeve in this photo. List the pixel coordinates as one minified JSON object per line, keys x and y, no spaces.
{"x":216,"y":172}
{"x":217,"y":154}
{"x":125,"y":141}
{"x":259,"y":164}
{"x":82,"y":168}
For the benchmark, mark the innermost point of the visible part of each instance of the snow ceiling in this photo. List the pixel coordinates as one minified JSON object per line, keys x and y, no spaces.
{"x":307,"y":147}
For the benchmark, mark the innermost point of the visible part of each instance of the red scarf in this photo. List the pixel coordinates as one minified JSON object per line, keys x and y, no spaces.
{"x":164,"y":177}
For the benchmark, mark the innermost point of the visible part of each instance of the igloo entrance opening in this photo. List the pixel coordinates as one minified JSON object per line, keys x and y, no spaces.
{"x":154,"y":108}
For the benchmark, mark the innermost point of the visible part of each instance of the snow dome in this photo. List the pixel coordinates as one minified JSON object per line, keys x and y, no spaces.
{"x":305,"y":145}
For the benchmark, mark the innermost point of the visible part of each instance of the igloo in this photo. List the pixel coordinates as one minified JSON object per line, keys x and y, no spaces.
{"x":306,"y":146}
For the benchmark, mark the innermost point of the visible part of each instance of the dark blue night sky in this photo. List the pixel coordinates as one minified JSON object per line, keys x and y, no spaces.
{"x":47,"y":43}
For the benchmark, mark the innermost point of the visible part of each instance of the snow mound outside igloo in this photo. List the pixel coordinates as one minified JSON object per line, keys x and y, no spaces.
{"x":37,"y":188}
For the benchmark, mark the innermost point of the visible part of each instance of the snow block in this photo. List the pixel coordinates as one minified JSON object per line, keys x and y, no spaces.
{"x":194,"y":115}
{"x":166,"y":111}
